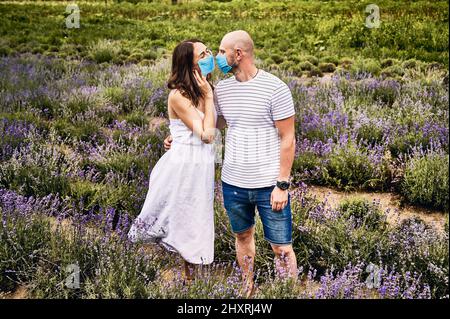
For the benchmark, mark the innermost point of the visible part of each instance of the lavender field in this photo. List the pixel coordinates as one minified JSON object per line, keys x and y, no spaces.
{"x":80,"y":136}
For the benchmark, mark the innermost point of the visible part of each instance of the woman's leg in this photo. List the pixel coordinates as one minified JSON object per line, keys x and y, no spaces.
{"x":189,"y":270}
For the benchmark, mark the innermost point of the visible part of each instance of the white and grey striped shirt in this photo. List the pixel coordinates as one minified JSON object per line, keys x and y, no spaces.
{"x":252,"y":144}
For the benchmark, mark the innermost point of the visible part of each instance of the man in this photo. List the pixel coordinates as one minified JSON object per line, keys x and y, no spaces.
{"x":258,"y":110}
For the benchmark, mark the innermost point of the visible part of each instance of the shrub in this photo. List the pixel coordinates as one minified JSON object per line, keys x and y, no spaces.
{"x":286,"y":65}
{"x":4,"y":50}
{"x":315,"y":71}
{"x":330,"y":59}
{"x":277,"y":58}
{"x":389,"y":62}
{"x":311,"y":59}
{"x":135,"y":57}
{"x":327,"y":67}
{"x":150,"y":55}
{"x":425,"y":180}
{"x":104,"y":51}
{"x":81,"y":130}
{"x":350,"y":167}
{"x":346,"y":63}
{"x":435,"y":66}
{"x":297,"y":70}
{"x":367,"y":66}
{"x":269,"y":61}
{"x":38,"y":251}
{"x":371,"y":133}
{"x":306,"y":66}
{"x":410,"y":64}
{"x":392,"y":71}
{"x":363,"y":213}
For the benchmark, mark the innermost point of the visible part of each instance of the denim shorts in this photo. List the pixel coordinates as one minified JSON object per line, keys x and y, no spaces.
{"x":240,"y":204}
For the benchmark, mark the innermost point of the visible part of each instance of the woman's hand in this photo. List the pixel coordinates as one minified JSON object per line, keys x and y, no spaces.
{"x":203,"y":84}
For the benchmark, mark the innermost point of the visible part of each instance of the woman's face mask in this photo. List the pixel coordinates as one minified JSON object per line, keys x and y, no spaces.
{"x":206,"y":64}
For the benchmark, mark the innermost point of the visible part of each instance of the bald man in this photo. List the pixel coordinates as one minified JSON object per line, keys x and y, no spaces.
{"x":257,"y":109}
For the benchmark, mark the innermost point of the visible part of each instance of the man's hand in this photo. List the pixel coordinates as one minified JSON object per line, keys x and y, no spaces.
{"x":279,"y":198}
{"x":167,"y":142}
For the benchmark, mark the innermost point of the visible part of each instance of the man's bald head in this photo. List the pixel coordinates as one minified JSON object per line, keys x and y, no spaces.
{"x":239,"y":39}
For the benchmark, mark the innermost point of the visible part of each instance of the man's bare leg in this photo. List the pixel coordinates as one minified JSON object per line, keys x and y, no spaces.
{"x":245,"y":251}
{"x":285,"y":258}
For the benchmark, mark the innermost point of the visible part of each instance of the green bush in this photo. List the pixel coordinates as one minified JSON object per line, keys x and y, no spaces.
{"x":104,"y":51}
{"x":327,"y":67}
{"x":277,"y":58}
{"x":370,"y":133}
{"x":363,"y":213}
{"x":306,"y":66}
{"x":287,"y":65}
{"x":392,"y":71}
{"x":269,"y":61}
{"x":306,"y":162}
{"x":402,"y":144}
{"x":425,"y":181}
{"x":346,"y":63}
{"x":311,"y":59}
{"x":82,"y":130}
{"x":350,"y":167}
{"x":4,"y":50}
{"x":38,"y":251}
{"x":297,"y":70}
{"x":330,"y":59}
{"x":315,"y":71}
{"x":371,"y":66}
{"x":150,"y":55}
{"x":389,"y":62}
{"x":410,"y":64}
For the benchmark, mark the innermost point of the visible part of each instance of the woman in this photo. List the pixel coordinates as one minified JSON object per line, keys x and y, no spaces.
{"x":178,"y":210}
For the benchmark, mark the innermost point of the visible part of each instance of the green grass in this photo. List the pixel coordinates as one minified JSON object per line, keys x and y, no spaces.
{"x":283,"y":31}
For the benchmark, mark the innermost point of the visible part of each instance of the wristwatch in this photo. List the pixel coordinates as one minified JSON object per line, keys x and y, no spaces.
{"x":283,"y":185}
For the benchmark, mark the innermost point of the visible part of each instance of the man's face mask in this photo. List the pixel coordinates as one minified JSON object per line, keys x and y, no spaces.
{"x":222,"y":63}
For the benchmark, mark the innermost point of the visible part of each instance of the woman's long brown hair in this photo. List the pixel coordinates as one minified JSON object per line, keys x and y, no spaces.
{"x":182,"y":74}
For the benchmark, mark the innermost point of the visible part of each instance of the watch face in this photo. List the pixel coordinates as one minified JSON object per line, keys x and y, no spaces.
{"x":283,"y":185}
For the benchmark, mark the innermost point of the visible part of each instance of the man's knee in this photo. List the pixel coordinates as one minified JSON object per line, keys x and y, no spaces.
{"x":283,"y":250}
{"x":245,"y":237}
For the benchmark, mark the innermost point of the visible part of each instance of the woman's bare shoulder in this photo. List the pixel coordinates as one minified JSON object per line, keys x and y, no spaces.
{"x":175,"y":95}
{"x":177,"y":98}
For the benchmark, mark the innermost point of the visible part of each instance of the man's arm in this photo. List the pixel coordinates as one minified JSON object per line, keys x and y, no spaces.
{"x":286,"y":131}
{"x":167,"y":142}
{"x":221,"y":123}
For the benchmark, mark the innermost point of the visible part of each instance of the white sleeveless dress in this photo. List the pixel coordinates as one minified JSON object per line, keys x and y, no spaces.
{"x":178,"y":211}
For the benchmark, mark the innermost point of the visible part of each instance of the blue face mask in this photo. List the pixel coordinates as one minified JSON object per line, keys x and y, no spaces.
{"x":206,"y":64}
{"x":223,"y":64}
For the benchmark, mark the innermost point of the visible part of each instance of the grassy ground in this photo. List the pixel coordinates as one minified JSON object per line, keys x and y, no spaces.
{"x":285,"y":33}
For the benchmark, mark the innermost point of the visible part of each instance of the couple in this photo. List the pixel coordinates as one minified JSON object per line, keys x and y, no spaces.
{"x":258,"y":111}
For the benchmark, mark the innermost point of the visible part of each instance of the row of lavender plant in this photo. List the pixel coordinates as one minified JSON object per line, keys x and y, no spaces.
{"x":352,"y":132}
{"x":87,"y":140}
{"x":41,"y":237}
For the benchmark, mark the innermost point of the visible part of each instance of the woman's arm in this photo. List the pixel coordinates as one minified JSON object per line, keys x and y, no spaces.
{"x":185,"y":110}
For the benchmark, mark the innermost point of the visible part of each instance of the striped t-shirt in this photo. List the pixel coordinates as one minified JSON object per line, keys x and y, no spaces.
{"x":252,"y":144}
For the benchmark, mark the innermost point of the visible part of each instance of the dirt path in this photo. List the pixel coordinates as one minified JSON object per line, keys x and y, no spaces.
{"x":20,"y":293}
